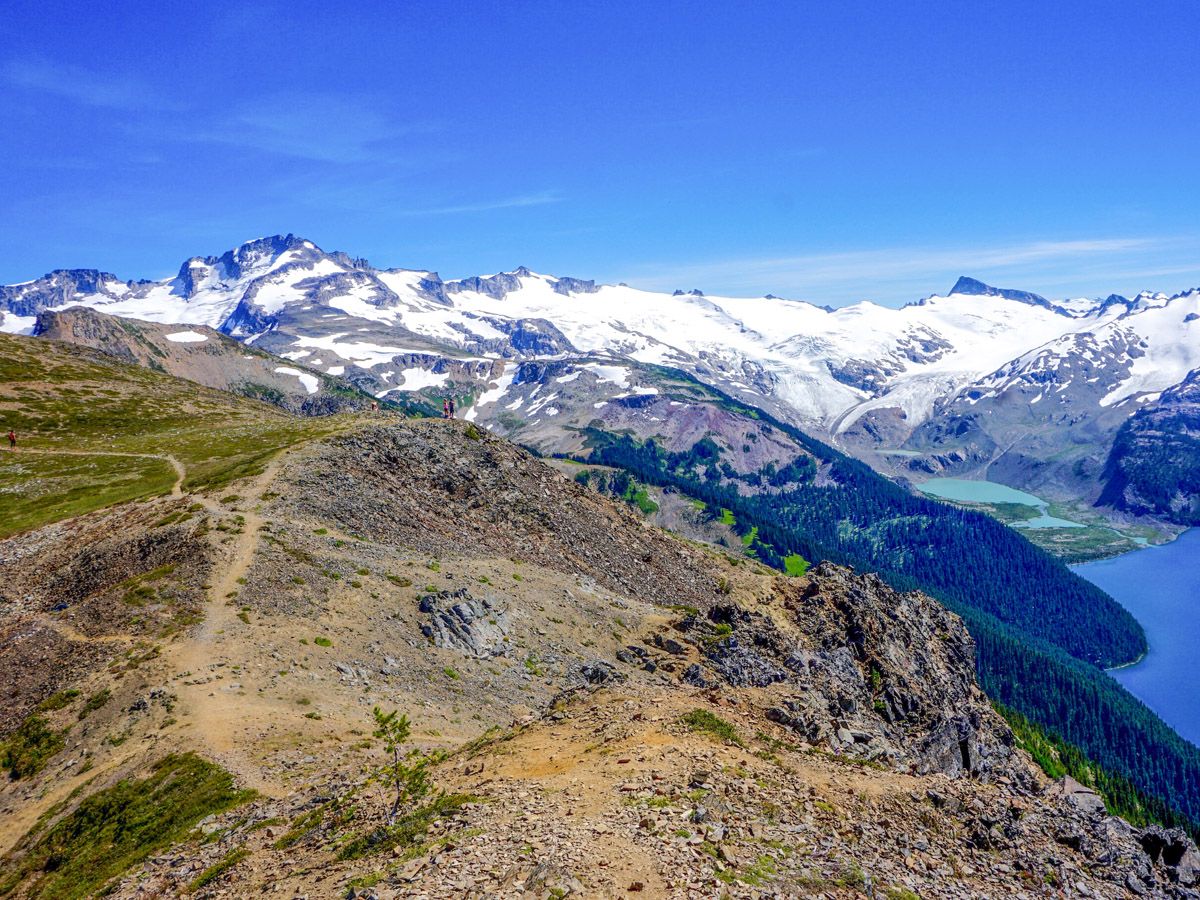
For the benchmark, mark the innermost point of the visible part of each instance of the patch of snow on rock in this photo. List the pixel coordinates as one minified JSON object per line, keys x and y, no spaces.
{"x":494,"y":394}
{"x":186,"y":337}
{"x":309,"y":381}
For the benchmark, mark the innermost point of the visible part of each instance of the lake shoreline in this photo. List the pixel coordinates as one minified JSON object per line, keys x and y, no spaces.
{"x":1169,"y":539}
{"x":1073,"y":534}
{"x":1159,"y":586}
{"x":1141,"y":656}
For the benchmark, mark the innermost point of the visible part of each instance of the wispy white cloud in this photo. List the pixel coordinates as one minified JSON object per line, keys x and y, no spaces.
{"x":523,"y":200}
{"x":83,"y":86}
{"x":886,"y":263}
{"x":894,"y":274}
{"x":306,"y":125}
{"x":389,"y":193}
{"x":314,"y":126}
{"x":334,"y":128}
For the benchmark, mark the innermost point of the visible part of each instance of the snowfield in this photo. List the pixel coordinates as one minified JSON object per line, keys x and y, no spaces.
{"x":14,"y":324}
{"x":823,"y":368}
{"x":309,"y":381}
{"x":416,"y":379}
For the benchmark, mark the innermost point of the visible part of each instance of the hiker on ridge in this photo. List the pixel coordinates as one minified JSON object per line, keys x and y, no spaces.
{"x":12,"y":439}
{"x":445,"y":409}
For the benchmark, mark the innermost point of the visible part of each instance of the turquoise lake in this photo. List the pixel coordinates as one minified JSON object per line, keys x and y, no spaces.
{"x":1161,"y":587}
{"x":967,"y":491}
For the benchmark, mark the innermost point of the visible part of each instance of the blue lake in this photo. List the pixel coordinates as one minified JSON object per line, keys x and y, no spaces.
{"x":965,"y":490}
{"x":1161,"y":587}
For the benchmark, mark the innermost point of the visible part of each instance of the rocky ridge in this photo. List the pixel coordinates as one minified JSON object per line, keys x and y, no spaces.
{"x":205,"y":356}
{"x":1153,"y":467}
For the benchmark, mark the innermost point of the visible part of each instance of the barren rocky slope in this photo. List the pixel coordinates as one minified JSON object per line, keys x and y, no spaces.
{"x":201,"y":354}
{"x":624,"y":713}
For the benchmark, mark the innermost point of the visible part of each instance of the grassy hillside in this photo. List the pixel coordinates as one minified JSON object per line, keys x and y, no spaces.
{"x":93,"y":431}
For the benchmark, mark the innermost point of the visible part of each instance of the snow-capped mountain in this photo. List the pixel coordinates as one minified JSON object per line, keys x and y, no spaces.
{"x":1030,"y":389}
{"x":1047,"y":418}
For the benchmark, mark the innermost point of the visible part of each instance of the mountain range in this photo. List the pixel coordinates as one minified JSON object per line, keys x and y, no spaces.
{"x":979,"y":382}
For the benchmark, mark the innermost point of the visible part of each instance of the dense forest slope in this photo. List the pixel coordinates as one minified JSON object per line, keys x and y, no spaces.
{"x":852,"y":514}
{"x":1043,"y":634}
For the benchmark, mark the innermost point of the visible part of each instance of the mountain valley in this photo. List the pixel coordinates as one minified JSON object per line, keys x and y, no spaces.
{"x":698,"y":648}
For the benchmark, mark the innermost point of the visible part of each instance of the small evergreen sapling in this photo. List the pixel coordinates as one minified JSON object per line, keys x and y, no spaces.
{"x":406,"y":772}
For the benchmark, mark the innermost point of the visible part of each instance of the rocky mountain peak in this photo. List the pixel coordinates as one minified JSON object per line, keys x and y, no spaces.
{"x":498,"y":286}
{"x":193,"y":273}
{"x":262,"y":253}
{"x":248,"y":260}
{"x":273,"y":245}
{"x":54,"y":289}
{"x":974,"y":287}
{"x":1114,"y":300}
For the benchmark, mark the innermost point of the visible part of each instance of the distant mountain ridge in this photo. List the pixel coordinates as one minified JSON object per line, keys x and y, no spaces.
{"x":966,"y":285}
{"x":1030,"y":390}
{"x":200,"y":354}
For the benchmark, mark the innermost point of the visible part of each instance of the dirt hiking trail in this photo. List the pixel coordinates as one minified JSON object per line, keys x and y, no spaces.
{"x":221,"y":715}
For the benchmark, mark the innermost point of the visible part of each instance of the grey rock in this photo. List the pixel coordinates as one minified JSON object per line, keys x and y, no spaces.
{"x":459,"y":621}
{"x":670,"y":645}
{"x":1080,"y":796}
{"x":694,"y":675}
{"x":632,"y":656}
{"x":743,"y":666}
{"x":1134,"y":885}
{"x":598,"y":672}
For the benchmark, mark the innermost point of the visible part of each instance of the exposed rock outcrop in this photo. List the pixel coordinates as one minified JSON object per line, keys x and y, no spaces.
{"x":460,"y":621}
{"x":1154,"y":465}
{"x":438,"y":488}
{"x":201,"y":354}
{"x":863,"y":669}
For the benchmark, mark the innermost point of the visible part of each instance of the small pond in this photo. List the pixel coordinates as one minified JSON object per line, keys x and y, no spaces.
{"x":964,"y":490}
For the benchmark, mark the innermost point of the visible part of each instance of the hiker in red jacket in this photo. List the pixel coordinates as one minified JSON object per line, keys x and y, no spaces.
{"x":12,"y":439}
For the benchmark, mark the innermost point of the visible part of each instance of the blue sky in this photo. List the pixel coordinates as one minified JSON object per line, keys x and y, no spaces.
{"x":830,"y":152}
